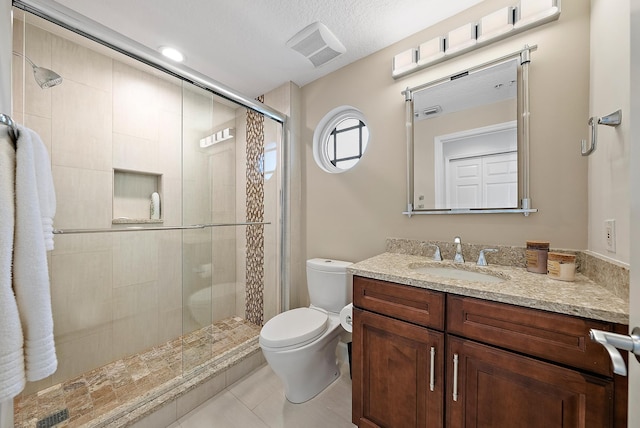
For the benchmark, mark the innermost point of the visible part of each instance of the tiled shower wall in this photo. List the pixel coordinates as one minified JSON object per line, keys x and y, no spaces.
{"x":112,"y":294}
{"x":116,"y":294}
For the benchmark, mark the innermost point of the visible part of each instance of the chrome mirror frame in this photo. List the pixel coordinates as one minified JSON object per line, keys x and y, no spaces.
{"x":525,"y":200}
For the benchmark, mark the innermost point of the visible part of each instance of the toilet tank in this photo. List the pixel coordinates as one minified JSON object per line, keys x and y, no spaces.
{"x":328,"y":284}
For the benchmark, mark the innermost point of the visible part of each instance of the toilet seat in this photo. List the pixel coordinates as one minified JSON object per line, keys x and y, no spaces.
{"x":295,"y":327}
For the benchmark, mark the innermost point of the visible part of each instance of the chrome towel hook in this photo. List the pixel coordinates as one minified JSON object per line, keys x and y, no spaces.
{"x":613,"y":119}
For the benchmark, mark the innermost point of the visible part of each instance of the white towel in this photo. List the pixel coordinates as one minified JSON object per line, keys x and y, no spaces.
{"x":46,"y":192}
{"x":30,"y":270}
{"x":12,"y":378}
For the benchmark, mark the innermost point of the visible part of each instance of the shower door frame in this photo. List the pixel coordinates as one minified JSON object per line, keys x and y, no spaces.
{"x":105,"y":36}
{"x":97,"y":32}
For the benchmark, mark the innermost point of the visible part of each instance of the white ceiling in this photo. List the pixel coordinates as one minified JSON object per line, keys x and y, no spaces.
{"x":241,"y":43}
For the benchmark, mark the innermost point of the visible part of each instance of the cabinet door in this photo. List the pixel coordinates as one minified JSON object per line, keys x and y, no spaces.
{"x":495,"y":388}
{"x":397,"y":373}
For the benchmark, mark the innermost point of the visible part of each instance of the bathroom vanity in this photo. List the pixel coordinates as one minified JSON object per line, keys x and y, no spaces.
{"x":432,"y":351}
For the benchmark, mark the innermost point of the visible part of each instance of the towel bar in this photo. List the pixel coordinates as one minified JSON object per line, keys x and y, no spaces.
{"x":613,"y":119}
{"x":149,"y":229}
{"x":13,"y":128}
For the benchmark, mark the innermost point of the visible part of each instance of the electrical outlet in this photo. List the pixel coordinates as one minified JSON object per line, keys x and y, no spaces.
{"x":610,"y":235}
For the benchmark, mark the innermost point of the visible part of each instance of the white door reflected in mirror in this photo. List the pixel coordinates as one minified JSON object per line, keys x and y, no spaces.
{"x":477,"y":168}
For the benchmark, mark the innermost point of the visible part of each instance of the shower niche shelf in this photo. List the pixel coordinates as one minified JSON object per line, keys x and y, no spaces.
{"x":132,"y":197}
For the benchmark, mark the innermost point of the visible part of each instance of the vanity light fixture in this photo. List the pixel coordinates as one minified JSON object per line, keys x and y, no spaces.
{"x":431,"y":51}
{"x":531,"y":11}
{"x":495,"y":26}
{"x":461,"y":38}
{"x":172,"y":53}
{"x":405,"y":61}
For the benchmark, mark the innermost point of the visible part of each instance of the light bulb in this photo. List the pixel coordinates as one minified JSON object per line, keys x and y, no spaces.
{"x":172,"y":53}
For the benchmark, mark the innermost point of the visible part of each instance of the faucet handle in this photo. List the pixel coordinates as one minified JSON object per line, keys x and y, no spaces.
{"x":436,"y":254}
{"x":482,"y":261}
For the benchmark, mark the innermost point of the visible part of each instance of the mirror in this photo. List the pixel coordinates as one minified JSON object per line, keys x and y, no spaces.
{"x":464,"y":153}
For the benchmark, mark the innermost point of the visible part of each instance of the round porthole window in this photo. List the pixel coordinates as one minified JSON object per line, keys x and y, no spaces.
{"x":340,"y":139}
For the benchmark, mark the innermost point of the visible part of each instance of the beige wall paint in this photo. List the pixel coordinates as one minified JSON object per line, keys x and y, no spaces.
{"x":286,"y":99}
{"x":609,"y":91}
{"x":349,"y":215}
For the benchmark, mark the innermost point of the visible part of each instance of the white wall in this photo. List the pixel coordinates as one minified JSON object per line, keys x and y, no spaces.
{"x":608,"y":182}
{"x":634,"y":298}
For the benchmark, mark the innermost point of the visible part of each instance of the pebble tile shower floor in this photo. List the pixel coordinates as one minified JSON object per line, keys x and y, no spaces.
{"x":121,"y":384}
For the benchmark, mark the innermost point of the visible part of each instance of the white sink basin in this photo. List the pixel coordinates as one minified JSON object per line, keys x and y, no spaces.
{"x":453,"y":273}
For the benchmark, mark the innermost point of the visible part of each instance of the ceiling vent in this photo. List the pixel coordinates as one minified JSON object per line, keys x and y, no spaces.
{"x":317,"y":43}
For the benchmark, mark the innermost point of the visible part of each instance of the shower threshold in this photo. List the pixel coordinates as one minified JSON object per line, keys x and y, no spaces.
{"x":126,"y":390}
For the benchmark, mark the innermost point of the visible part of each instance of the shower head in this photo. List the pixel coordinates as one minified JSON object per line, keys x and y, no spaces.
{"x":44,"y":77}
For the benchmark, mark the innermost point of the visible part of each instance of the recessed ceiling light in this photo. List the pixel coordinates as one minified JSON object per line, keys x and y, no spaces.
{"x":172,"y":53}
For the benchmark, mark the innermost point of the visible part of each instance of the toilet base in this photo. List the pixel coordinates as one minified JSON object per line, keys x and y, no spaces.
{"x":306,"y":371}
{"x":298,"y":396}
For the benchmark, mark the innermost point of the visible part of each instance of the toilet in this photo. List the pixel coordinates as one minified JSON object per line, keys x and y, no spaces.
{"x":300,"y":344}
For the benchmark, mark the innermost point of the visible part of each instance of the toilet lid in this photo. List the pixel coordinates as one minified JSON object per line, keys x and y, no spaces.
{"x":293,"y":327}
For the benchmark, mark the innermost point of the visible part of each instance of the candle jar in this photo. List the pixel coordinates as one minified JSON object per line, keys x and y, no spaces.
{"x":536,"y":254}
{"x":561,"y":266}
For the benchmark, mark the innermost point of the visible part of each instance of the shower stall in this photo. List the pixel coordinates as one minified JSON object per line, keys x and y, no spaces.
{"x":170,"y":225}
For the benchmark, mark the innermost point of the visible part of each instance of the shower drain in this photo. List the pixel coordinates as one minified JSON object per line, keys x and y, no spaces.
{"x":53,"y":419}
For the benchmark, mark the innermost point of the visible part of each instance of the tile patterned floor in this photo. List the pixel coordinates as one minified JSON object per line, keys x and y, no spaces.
{"x":123,"y":382}
{"x":257,"y":401}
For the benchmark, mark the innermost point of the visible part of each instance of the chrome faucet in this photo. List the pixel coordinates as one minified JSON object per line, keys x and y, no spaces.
{"x":459,"y":258}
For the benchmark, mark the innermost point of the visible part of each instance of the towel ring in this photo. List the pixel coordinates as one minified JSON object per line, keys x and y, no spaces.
{"x":613,"y":119}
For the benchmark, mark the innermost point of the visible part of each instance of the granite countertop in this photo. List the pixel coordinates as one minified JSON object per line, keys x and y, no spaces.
{"x":583,"y":297}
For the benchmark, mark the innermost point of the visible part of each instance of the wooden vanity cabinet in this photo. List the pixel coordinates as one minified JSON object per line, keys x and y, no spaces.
{"x":398,"y":356}
{"x":504,"y":365}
